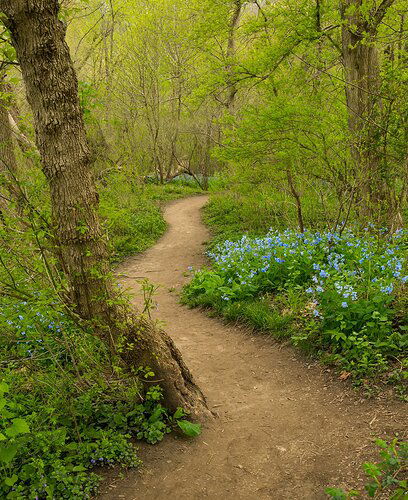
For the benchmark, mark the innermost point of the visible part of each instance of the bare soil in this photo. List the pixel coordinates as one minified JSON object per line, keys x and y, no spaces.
{"x":286,"y":428}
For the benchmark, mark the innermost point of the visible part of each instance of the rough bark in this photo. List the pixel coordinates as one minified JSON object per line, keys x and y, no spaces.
{"x":51,"y":86}
{"x":231,"y":48}
{"x":362,"y":75}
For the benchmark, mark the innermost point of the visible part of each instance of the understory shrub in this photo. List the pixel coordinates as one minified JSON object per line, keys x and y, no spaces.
{"x":345,"y":293}
{"x":133,"y":212}
{"x":66,"y":407}
{"x":253,"y":209}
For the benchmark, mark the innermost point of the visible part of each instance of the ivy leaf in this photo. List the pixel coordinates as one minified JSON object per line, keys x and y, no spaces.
{"x":178,"y":413}
{"x":19,"y":426}
{"x":189,"y":428}
{"x":4,"y":387}
{"x":9,"y":481}
{"x":7,"y":453}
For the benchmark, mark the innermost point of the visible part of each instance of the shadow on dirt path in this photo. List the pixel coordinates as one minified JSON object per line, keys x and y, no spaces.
{"x":286,"y":429}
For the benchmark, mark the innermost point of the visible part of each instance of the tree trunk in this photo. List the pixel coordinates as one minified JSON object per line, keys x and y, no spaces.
{"x":231,"y":48}
{"x":296,"y":196}
{"x":362,"y":75}
{"x":51,"y":86}
{"x":8,"y":161}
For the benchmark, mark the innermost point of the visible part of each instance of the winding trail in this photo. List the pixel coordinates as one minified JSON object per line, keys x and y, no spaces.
{"x":286,"y":428}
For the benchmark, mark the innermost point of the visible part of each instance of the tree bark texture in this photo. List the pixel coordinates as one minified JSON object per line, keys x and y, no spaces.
{"x":231,"y":48}
{"x":51,"y":86}
{"x":362,"y":75}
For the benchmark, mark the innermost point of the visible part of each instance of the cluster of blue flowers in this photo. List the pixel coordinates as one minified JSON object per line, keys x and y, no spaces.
{"x":30,"y":327}
{"x":347,"y":266}
{"x":344,"y":289}
{"x":101,"y":461}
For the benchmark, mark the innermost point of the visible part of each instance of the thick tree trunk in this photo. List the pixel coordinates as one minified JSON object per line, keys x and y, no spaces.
{"x":51,"y":86}
{"x":231,"y":49}
{"x":362,"y":75}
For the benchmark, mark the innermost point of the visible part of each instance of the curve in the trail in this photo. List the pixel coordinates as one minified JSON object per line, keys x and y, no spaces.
{"x":286,"y":429}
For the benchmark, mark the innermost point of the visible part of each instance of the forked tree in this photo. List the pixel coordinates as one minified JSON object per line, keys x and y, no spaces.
{"x":38,"y":36}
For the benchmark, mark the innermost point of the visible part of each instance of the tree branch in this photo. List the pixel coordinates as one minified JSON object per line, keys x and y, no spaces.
{"x":381,"y":11}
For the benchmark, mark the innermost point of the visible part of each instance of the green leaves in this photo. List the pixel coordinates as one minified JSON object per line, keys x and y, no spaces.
{"x":19,"y":426}
{"x":10,"y":481}
{"x":339,"y":494}
{"x":8,"y":452}
{"x":4,"y":388}
{"x":188,"y":428}
{"x":387,"y":474}
{"x":9,"y":446}
{"x":336,"y":493}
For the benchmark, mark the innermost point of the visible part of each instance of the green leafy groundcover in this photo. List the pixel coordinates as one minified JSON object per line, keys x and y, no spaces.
{"x":344,"y":295}
{"x":387,"y":478}
{"x":65,"y":408}
{"x":133,"y":212}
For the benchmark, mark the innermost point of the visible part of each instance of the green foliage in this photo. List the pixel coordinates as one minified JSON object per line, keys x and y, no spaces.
{"x":87,"y":99}
{"x":52,"y":391}
{"x":341,"y":291}
{"x":133,"y":214}
{"x":188,"y":428}
{"x":254,"y":207}
{"x":63,"y":408}
{"x":388,"y":478}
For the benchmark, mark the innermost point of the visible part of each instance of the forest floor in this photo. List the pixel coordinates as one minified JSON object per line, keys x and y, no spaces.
{"x":286,"y":427}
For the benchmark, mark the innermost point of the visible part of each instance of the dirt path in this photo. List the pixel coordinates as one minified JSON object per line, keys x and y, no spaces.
{"x":285,"y":428}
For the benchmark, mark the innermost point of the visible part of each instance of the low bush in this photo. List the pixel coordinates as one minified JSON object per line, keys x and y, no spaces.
{"x":344,"y":295}
{"x":67,"y":406}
